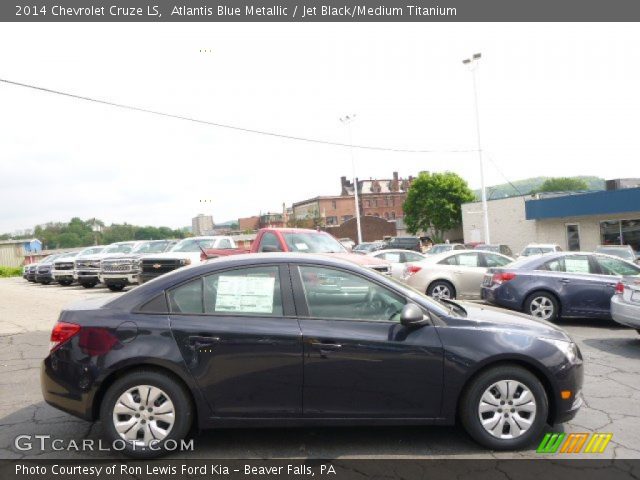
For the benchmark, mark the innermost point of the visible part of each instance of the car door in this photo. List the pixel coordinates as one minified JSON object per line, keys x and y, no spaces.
{"x":241,"y":341}
{"x":579,"y":290}
{"x":468,"y":274}
{"x":359,"y":361}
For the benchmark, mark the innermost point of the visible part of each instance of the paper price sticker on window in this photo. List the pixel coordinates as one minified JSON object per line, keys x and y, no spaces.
{"x":245,"y":294}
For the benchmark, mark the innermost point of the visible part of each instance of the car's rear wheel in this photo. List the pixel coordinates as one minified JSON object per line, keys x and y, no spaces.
{"x":504,"y":408}
{"x":143,"y":410}
{"x":542,"y":305}
{"x":441,"y":289}
{"x":118,"y":287}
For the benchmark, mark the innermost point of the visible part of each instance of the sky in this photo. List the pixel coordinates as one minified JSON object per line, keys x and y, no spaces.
{"x":554,"y":100}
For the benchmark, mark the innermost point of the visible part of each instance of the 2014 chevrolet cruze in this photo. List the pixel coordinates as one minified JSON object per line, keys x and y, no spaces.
{"x":293,"y":339}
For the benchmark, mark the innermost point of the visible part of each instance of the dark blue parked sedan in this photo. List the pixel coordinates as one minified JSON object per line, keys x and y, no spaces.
{"x":290,"y":340}
{"x":564,"y":284}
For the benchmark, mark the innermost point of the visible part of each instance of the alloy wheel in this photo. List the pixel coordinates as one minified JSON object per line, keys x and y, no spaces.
{"x":541,"y":307}
{"x":143,"y":414}
{"x":441,"y":291}
{"x":507,"y":409}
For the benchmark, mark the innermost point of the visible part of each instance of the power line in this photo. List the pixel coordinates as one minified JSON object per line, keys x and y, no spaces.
{"x":503,"y":175}
{"x":227,"y":126}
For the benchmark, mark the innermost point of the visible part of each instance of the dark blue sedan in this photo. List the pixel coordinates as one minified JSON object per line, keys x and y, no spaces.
{"x":563,"y":284}
{"x":290,"y":339}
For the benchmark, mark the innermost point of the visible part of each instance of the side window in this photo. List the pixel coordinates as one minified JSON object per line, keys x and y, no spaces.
{"x":245,"y":291}
{"x":556,"y":265}
{"x":186,"y":298}
{"x":412,"y":257}
{"x":613,"y":266}
{"x":452,"y":260}
{"x":392,"y":257}
{"x":577,"y":264}
{"x":271,"y":242}
{"x":495,"y":260}
{"x":468,"y":259}
{"x":336,"y":294}
{"x":224,"y":243}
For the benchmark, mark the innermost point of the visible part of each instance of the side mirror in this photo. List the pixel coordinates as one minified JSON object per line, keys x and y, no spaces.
{"x":412,"y":316}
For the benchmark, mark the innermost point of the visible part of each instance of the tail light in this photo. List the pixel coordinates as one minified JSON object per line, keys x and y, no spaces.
{"x":619,"y":288}
{"x":501,"y":277}
{"x":96,"y":341}
{"x":411,"y":270}
{"x":61,"y":333}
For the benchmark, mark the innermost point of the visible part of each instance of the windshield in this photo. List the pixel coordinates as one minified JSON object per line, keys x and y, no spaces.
{"x":118,"y":249}
{"x":193,"y":244}
{"x":439,"y":249}
{"x":623,"y":253}
{"x":151,"y":247}
{"x":91,"y":251}
{"x":313,"y":243}
{"x":536,"y":251}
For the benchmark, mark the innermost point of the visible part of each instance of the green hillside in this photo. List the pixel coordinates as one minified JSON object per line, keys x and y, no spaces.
{"x":528,"y":184}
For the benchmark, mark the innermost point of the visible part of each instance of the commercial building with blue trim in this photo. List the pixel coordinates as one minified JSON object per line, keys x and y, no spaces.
{"x":575,"y":221}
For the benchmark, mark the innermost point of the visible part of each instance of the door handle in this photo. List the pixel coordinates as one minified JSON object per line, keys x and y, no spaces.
{"x":326,"y":346}
{"x":198,"y":341}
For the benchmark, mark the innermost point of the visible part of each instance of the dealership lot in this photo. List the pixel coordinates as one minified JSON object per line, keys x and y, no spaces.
{"x":28,"y":311}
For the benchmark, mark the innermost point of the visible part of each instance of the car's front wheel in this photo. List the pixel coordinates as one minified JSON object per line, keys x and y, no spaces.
{"x":116,"y":287}
{"x":504,"y":408}
{"x":89,"y":285}
{"x":143,"y":410}
{"x":65,"y":283}
{"x":542,"y":305}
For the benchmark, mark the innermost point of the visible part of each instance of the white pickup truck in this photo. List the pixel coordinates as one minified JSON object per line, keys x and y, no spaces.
{"x":185,"y":252}
{"x":87,"y":267}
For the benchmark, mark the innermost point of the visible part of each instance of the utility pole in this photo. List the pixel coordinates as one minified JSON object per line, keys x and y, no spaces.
{"x":472,"y":63}
{"x":347,"y":120}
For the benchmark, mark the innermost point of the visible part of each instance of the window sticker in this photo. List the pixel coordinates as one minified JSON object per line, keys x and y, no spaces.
{"x":576,"y":265}
{"x":392,"y":257}
{"x":302,"y":246}
{"x":245,"y":294}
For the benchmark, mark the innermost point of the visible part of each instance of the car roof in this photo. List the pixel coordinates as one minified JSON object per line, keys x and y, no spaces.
{"x":538,"y":245}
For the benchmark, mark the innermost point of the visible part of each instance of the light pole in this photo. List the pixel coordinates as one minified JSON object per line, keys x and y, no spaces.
{"x":472,"y":63}
{"x":347,"y":120}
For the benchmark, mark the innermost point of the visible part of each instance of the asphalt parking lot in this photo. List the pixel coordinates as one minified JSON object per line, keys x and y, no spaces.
{"x":28,"y":311}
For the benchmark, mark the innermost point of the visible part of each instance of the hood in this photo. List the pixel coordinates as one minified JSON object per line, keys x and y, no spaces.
{"x":485,"y":316}
{"x":194,"y":256}
{"x":362,"y":260}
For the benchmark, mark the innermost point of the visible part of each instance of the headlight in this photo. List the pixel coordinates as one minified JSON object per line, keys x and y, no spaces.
{"x":569,"y":349}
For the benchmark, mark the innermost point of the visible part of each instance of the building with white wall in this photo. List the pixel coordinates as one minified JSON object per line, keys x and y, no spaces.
{"x":575,"y":221}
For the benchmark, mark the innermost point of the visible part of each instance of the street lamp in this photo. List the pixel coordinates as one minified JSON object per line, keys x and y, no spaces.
{"x":347,"y":120}
{"x":472,"y":64}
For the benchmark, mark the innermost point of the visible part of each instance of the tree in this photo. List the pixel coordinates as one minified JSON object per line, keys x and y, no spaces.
{"x":434,"y":203}
{"x":562,"y":184}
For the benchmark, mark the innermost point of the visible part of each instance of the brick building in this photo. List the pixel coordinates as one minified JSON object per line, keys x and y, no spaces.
{"x":381,"y":198}
{"x":274,"y":220}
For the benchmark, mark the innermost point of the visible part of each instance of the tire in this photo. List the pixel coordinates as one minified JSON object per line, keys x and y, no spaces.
{"x":542,"y":305}
{"x":65,"y":283}
{"x":180,"y":405}
{"x":514,"y":421}
{"x":46,"y":282}
{"x":116,"y":287}
{"x":439,"y":289}
{"x":88,"y":285}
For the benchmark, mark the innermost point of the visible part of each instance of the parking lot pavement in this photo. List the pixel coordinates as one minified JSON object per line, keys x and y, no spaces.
{"x":28,"y":311}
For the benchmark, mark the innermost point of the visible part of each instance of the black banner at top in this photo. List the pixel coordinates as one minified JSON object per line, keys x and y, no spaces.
{"x":319,"y":10}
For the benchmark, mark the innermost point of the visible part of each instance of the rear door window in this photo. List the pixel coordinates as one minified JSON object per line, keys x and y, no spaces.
{"x":613,"y":266}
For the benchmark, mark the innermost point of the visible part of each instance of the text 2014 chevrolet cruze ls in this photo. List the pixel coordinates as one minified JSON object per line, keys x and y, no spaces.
{"x":294,"y":339}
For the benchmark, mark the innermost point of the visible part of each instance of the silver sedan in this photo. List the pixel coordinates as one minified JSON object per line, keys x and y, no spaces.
{"x":453,"y":274}
{"x":397,"y":258}
{"x":625,"y":304}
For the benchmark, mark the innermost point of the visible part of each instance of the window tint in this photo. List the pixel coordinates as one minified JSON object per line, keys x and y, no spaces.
{"x":556,"y":265}
{"x":158,"y":304}
{"x":452,"y":260}
{"x":186,"y":298}
{"x":245,"y":291}
{"x":495,"y":260}
{"x":338,"y":294}
{"x":270,"y":240}
{"x":613,"y":266}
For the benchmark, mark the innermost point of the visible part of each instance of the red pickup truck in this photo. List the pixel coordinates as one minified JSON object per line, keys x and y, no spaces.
{"x":300,"y":240}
